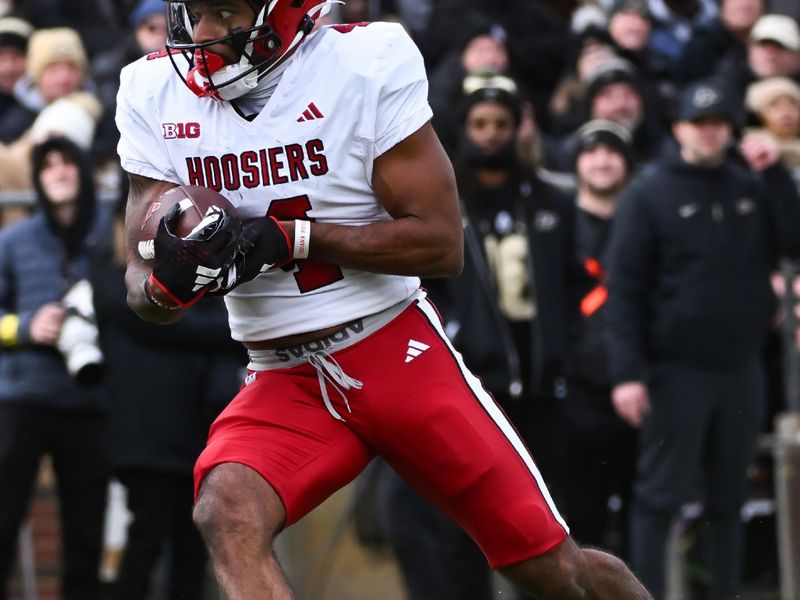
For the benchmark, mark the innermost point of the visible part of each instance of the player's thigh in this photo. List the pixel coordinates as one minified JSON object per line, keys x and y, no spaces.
{"x":279,"y":428}
{"x":435,"y":424}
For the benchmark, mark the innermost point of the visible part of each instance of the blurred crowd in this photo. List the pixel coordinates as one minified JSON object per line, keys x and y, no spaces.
{"x":578,"y":317}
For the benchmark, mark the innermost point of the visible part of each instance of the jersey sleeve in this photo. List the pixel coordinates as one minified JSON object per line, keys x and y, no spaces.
{"x":141,"y":147}
{"x":400,"y":91}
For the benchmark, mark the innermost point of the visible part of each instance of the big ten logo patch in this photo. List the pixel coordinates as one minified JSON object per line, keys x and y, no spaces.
{"x":180,"y":131}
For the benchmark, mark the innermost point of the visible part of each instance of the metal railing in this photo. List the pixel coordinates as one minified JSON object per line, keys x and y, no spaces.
{"x":27,"y":198}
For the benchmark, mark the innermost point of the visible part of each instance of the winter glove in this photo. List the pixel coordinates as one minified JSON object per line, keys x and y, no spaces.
{"x":262,"y":245}
{"x":185,"y":268}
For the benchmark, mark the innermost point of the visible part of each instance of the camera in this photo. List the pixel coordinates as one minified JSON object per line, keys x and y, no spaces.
{"x":79,"y":341}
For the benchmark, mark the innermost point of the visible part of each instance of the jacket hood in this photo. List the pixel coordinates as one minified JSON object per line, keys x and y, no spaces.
{"x":73,"y":236}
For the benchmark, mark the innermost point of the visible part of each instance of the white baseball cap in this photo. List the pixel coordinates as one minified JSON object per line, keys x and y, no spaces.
{"x":777,"y":28}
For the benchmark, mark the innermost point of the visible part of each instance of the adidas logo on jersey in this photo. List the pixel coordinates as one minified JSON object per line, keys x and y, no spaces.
{"x":414,"y":349}
{"x":310,"y":114}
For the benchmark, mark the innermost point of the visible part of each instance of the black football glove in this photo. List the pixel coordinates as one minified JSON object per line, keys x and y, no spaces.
{"x":185,"y":268}
{"x":262,"y":244}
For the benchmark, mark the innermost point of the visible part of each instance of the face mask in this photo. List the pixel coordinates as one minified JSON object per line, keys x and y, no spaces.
{"x":475,"y":156}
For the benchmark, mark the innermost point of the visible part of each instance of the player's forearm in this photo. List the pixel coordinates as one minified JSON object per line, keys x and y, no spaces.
{"x":142,"y":193}
{"x":405,"y":246}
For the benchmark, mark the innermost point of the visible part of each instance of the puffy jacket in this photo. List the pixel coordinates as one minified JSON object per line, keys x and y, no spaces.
{"x":39,"y":262}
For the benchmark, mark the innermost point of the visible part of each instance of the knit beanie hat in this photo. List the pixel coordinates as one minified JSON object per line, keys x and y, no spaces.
{"x":74,"y":116}
{"x":14,"y":33}
{"x":609,"y":133}
{"x":489,"y":87}
{"x":47,"y":46}
{"x":145,"y":9}
{"x":608,"y":72}
{"x":638,"y":6}
{"x":761,"y":93}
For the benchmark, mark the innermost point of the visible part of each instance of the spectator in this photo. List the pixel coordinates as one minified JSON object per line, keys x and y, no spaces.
{"x":614,"y":91}
{"x":483,"y":51}
{"x":56,"y":70}
{"x":148,"y":34}
{"x":775,"y":47}
{"x":629,"y":26}
{"x":47,"y":406}
{"x":776,"y":102}
{"x":157,"y":424}
{"x":514,"y":221}
{"x":535,"y":39}
{"x":587,"y":51}
{"x":673,"y":22}
{"x":773,"y":51}
{"x":56,"y":67}
{"x":601,"y":446}
{"x":712,"y":41}
{"x":98,"y":22}
{"x":694,"y":242}
{"x":515,"y":342}
{"x":74,"y":116}
{"x":14,"y":34}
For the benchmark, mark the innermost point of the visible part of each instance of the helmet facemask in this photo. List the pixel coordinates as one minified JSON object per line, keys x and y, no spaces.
{"x":261,"y":47}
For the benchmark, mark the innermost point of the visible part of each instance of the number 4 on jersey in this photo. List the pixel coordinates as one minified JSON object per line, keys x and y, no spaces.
{"x":310,"y":275}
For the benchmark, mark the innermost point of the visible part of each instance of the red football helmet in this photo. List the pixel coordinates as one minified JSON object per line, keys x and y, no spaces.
{"x":279,"y":26}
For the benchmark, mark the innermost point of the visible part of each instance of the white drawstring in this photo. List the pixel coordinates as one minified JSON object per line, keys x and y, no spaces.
{"x":329,"y":370}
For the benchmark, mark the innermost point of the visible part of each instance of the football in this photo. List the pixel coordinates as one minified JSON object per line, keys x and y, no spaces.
{"x":197,"y":213}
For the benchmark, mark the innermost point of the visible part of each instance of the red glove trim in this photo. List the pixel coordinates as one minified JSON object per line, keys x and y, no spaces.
{"x":289,"y":244}
{"x":174,"y":299}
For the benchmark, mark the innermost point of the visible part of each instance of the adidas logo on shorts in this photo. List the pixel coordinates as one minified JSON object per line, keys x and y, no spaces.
{"x":414,"y":349}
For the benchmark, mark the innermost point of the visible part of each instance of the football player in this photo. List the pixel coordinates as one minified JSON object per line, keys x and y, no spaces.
{"x":322,"y":140}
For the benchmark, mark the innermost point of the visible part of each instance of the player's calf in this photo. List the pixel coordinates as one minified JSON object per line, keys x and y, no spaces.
{"x":567,"y":572}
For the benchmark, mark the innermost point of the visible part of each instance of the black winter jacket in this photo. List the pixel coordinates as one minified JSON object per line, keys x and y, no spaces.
{"x":483,"y":334}
{"x":164,"y":384}
{"x":689,"y":263}
{"x":588,"y":358}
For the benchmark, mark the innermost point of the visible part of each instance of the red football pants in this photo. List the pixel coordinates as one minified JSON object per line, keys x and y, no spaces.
{"x":419,"y":408}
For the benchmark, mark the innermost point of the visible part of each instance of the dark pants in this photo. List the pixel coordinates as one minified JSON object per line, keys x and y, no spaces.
{"x":541,"y":423}
{"x":601,"y":461}
{"x":701,"y":422}
{"x":76,"y":443}
{"x":162,"y":527}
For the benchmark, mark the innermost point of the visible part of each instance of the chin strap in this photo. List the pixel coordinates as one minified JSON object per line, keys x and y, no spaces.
{"x":199,"y":77}
{"x":208,"y":64}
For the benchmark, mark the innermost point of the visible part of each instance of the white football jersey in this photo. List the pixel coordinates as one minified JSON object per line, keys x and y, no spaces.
{"x":349,"y":94}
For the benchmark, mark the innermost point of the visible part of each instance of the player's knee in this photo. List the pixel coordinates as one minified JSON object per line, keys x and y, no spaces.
{"x":228,"y":507}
